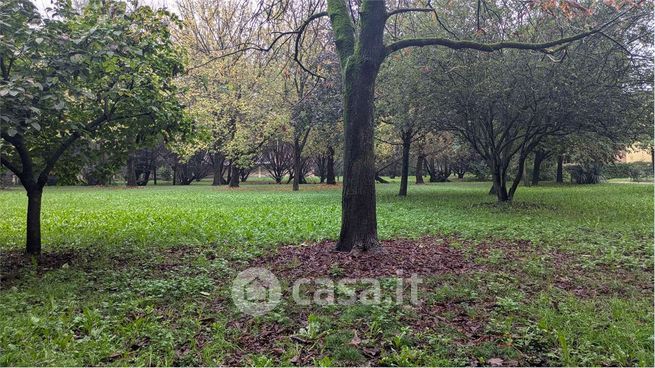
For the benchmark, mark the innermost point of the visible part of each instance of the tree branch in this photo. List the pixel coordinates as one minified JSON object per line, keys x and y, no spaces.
{"x":342,"y":28}
{"x":486,"y":47}
{"x":407,"y":10}
{"x":489,"y":47}
{"x":27,"y":172}
{"x":9,"y":165}
{"x":299,"y":34}
{"x":54,"y":157}
{"x":242,"y":50}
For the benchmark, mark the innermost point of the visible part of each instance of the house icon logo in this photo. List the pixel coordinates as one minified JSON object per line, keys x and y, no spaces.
{"x":256,"y":291}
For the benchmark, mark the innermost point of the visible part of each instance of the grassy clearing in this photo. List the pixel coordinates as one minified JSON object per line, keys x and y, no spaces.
{"x":616,"y":215}
{"x":141,"y":277}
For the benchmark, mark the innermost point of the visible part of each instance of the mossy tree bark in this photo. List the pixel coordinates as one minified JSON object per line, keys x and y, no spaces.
{"x":360,"y":56}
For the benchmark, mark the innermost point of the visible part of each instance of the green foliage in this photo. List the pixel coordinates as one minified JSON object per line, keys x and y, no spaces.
{"x":633,"y":170}
{"x":608,"y":332}
{"x":84,"y":79}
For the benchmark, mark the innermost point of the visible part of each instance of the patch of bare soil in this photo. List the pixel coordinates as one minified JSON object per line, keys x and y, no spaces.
{"x":425,"y":256}
{"x":13,"y":264}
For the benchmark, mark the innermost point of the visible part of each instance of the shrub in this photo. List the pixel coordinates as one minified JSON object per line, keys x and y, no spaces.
{"x":633,"y":170}
{"x":586,"y":173}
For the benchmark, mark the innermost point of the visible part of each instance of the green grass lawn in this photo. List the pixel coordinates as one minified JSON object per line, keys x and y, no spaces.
{"x":143,"y":276}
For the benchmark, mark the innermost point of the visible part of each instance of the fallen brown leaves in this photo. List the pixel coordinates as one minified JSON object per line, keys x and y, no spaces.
{"x":425,"y":256}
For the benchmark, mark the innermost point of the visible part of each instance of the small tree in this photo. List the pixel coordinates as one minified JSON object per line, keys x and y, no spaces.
{"x":399,"y":105}
{"x":105,"y":71}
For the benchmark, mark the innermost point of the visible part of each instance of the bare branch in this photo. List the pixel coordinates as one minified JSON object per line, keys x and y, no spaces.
{"x":242,"y":50}
{"x":408,"y":10}
{"x":488,"y":47}
{"x":616,"y":42}
{"x":299,"y":33}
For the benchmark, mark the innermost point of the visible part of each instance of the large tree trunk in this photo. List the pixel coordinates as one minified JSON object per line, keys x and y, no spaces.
{"x":560,"y":169}
{"x":407,"y":142}
{"x":358,"y":217}
{"x":419,"y":169}
{"x":234,"y":177}
{"x":360,"y":63}
{"x":33,"y":239}
{"x":500,"y":189}
{"x":329,"y":177}
{"x":131,"y":172}
{"x":539,"y":157}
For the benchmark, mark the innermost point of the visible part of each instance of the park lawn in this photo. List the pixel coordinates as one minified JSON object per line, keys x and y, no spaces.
{"x":142,"y":277}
